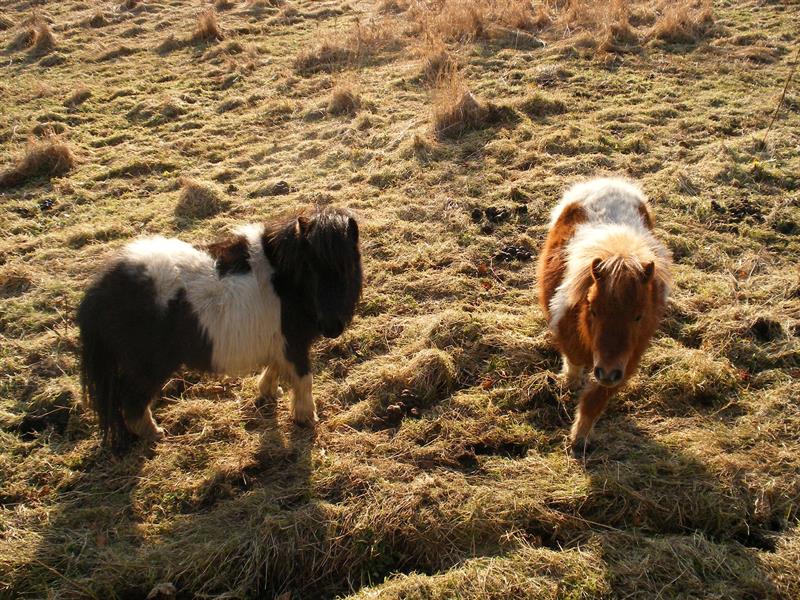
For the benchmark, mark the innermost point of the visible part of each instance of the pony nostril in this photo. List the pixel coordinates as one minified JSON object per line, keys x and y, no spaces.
{"x":615,"y":375}
{"x":599,"y":373}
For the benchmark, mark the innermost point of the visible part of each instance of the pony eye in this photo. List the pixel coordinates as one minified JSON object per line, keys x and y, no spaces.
{"x":639,"y":318}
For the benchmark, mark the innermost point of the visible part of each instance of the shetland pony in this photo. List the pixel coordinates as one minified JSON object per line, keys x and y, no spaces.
{"x":603,"y":284}
{"x":256,"y":300}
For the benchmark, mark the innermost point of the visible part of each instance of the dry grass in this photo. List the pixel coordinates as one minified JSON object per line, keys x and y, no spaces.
{"x":35,"y":36}
{"x":207,"y":28}
{"x":78,"y":97}
{"x":47,"y":157}
{"x":338,"y":51}
{"x":199,"y":199}
{"x":683,"y":22}
{"x":438,"y":468}
{"x":344,"y":99}
{"x":456,"y":110}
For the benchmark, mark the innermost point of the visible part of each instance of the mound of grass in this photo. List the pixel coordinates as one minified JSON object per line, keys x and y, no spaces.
{"x":46,"y":157}
{"x":683,"y":23}
{"x":344,"y":99}
{"x":199,"y":199}
{"x":207,"y":28}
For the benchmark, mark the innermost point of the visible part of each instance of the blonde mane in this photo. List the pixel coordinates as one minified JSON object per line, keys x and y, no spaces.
{"x":623,"y":250}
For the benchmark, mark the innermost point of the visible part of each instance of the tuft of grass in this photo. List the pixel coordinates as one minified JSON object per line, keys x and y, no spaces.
{"x":683,"y":22}
{"x":78,"y":97}
{"x":35,"y":36}
{"x":207,"y":28}
{"x":199,"y":199}
{"x":46,"y":157}
{"x":5,"y":22}
{"x":456,"y":109}
{"x":14,"y":280}
{"x":436,"y":61}
{"x":342,"y":50}
{"x":344,"y":99}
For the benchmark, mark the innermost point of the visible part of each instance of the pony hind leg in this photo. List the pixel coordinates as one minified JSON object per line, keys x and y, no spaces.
{"x":268,"y":383}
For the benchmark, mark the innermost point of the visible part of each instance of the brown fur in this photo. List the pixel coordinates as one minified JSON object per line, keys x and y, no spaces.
{"x":603,"y":330}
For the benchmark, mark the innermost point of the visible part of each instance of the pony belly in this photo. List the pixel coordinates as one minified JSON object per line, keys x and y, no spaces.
{"x":245,"y":353}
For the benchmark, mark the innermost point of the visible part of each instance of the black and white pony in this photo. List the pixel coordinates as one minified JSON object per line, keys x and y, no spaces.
{"x":256,"y":300}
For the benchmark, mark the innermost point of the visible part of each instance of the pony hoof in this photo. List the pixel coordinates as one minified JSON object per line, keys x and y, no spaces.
{"x":306,"y":420}
{"x":272,"y":394}
{"x":581,"y":448}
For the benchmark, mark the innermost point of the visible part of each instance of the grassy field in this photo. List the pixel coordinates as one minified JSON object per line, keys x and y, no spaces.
{"x":440,"y":466}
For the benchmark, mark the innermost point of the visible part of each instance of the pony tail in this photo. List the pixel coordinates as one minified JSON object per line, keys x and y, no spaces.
{"x":101,"y":386}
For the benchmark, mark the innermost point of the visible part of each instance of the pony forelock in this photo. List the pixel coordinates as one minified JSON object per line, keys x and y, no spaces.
{"x":622,"y":250}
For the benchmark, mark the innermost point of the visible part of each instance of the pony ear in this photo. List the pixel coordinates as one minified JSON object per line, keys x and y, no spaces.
{"x":352,"y":229}
{"x":648,"y":271}
{"x":301,"y":226}
{"x":597,"y":273}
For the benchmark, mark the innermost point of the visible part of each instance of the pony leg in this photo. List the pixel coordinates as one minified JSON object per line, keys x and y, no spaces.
{"x":268,"y":383}
{"x":144,"y":425}
{"x":572,"y":373}
{"x":303,"y":409}
{"x":590,"y":406}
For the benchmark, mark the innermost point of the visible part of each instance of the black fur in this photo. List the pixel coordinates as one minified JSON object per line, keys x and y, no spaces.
{"x":231,"y":257}
{"x":318,"y":278}
{"x":130,"y":346}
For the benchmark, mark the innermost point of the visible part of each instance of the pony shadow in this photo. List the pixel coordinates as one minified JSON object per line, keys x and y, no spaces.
{"x":93,"y":543}
{"x":657,"y":503}
{"x":642,"y":484}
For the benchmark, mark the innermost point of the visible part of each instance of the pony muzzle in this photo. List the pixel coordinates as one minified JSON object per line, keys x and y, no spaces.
{"x":332,"y":328}
{"x":608,"y":377}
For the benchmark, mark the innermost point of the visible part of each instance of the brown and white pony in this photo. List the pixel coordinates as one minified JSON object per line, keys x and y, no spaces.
{"x":603,"y":284}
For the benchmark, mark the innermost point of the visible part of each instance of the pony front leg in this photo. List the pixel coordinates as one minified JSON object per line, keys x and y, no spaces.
{"x":303,"y":409}
{"x":144,"y":426}
{"x":268,"y":383}
{"x":591,"y":405}
{"x":573,"y":373}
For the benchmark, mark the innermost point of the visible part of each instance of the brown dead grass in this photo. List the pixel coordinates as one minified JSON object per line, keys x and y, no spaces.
{"x":456,"y":110}
{"x":199,"y":199}
{"x":344,"y":99}
{"x":339,"y":50}
{"x":208,"y":27}
{"x":78,"y":97}
{"x":436,"y":60}
{"x":35,"y":36}
{"x":48,"y":157}
{"x":683,"y":22}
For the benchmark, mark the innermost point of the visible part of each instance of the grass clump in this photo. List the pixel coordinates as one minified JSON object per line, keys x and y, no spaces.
{"x":78,"y":97}
{"x":683,"y":22}
{"x":35,"y":36}
{"x":456,"y":110}
{"x":207,"y":28}
{"x":47,"y":157}
{"x":344,"y":100}
{"x":199,"y":199}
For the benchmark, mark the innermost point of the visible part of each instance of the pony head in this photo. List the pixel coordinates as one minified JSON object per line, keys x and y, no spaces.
{"x":619,"y":314}
{"x":318,"y":266}
{"x":333,"y":274}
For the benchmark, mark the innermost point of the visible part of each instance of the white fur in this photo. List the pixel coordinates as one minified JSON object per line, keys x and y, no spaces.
{"x":614,"y":229}
{"x":240,"y":314}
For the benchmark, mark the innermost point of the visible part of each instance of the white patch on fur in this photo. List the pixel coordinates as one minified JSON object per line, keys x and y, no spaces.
{"x":614,"y":230}
{"x":240,"y":313}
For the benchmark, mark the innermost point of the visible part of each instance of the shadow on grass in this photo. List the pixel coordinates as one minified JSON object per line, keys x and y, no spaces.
{"x":116,"y":531}
{"x":668,"y":525}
